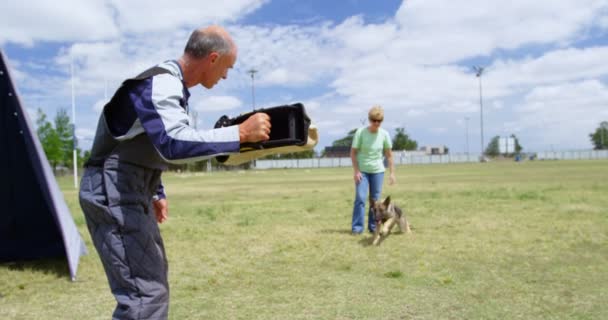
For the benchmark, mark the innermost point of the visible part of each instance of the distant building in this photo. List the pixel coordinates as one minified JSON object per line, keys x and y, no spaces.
{"x":337,"y":152}
{"x":429,"y":150}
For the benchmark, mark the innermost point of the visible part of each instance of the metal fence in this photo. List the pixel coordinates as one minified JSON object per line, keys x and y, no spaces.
{"x":401,"y":159}
{"x":572,"y":155}
{"x":346,"y":162}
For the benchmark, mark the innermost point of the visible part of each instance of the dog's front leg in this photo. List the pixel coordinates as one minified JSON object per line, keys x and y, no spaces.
{"x":386,"y":227}
{"x":377,"y":234}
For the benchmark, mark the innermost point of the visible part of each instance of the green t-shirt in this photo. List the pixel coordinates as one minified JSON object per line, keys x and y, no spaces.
{"x":370,"y":149}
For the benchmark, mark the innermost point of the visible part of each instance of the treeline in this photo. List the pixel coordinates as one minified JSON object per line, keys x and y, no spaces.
{"x":58,"y":140}
{"x":401,"y":140}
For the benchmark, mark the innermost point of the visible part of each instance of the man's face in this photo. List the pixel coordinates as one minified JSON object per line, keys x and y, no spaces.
{"x":218,"y":68}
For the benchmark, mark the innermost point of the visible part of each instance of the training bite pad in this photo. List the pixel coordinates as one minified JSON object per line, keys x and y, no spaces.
{"x":291,"y":131}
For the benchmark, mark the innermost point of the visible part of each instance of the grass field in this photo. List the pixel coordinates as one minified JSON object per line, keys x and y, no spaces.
{"x":490,"y":241}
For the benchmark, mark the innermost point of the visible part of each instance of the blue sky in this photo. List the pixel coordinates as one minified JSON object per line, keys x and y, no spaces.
{"x":545,"y":80}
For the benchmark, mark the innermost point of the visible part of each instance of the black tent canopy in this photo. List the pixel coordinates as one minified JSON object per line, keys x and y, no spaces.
{"x":35,"y":221}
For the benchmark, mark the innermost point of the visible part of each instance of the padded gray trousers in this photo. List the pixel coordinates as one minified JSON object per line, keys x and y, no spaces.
{"x":117,"y":204}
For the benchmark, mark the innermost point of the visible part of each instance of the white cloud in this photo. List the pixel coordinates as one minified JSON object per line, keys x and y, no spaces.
{"x":32,"y":114}
{"x":552,"y":67}
{"x":289,"y":56}
{"x":28,"y":21}
{"x":354,"y":34}
{"x":602,"y":22}
{"x":478,"y":27}
{"x":85,"y":134}
{"x":98,"y":106}
{"x":412,"y":63}
{"x":218,"y":103}
{"x":14,"y":67}
{"x":438,"y":130}
{"x":25,"y":22}
{"x":140,"y":16}
{"x":564,"y":114}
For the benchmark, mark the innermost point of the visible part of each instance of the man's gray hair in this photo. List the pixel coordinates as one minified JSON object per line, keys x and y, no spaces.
{"x":202,"y":43}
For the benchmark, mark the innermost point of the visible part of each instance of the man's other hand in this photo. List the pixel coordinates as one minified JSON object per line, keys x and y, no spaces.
{"x":161,"y":209}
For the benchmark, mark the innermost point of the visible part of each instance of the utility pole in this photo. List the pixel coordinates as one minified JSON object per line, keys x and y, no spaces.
{"x":75,"y":157}
{"x":478,"y":73}
{"x":252,"y":72}
{"x":603,"y":129}
{"x":466,"y":123}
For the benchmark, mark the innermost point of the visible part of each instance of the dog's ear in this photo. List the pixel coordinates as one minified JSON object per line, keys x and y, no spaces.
{"x":387,"y":201}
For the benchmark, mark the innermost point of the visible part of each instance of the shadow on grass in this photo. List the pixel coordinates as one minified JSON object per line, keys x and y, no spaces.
{"x":364,"y":239}
{"x":335,"y":231}
{"x":368,"y":241}
{"x":57,"y":267}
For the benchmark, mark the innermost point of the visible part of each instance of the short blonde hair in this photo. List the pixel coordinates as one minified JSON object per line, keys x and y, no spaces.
{"x":376,"y":112}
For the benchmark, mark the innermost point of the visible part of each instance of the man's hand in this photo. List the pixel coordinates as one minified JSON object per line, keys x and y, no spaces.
{"x":255,"y":128}
{"x":161,"y":209}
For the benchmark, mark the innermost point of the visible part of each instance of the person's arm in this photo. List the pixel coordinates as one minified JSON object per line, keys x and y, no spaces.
{"x":165,"y":121}
{"x":388,"y":153}
{"x":353,"y":158}
{"x":354,"y":148}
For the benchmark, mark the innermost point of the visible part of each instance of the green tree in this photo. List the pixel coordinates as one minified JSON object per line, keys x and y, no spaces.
{"x":599,"y":138}
{"x":346,"y":141}
{"x":49,"y":139}
{"x":518,"y":147}
{"x":85,"y":156}
{"x":402,"y":141}
{"x":492,"y":149}
{"x":65,"y":131}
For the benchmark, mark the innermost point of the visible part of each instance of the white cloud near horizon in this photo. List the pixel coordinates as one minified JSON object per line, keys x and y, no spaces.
{"x":576,"y":107}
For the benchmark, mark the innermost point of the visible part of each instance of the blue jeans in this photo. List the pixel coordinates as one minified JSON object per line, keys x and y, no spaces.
{"x":371,"y":182}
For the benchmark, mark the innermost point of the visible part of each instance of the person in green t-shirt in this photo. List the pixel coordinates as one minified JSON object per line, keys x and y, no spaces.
{"x":369,"y":146}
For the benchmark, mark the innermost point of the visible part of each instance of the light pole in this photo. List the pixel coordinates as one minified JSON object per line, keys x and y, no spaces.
{"x":478,"y":72}
{"x":252,"y":72}
{"x":466,"y":124}
{"x":604,"y":128}
{"x":75,"y":157}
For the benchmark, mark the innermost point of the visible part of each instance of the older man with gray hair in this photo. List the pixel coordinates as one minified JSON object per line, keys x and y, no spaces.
{"x":144,"y":127}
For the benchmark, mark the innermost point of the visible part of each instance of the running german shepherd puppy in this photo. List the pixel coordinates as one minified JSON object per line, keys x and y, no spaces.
{"x":387,"y":214}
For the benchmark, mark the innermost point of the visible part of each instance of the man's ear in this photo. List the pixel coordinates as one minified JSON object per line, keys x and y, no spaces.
{"x":214,"y":57}
{"x":387,"y":201}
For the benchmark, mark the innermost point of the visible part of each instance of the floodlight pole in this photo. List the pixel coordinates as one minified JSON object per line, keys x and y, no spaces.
{"x":252,"y":72}
{"x":75,"y":157}
{"x":478,"y":74}
{"x":466,"y":122}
